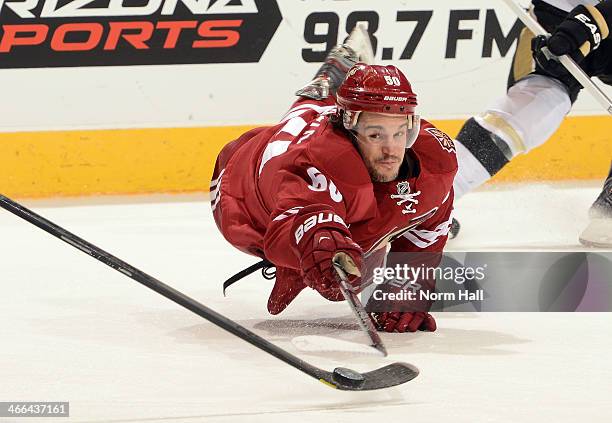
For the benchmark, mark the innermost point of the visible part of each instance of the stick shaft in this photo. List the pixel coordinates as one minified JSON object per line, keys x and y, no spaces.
{"x":566,"y":61}
{"x":158,"y":286}
{"x":365,"y":323}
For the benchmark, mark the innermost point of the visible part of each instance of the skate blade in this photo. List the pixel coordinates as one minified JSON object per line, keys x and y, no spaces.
{"x":598,"y":234}
{"x":359,"y":41}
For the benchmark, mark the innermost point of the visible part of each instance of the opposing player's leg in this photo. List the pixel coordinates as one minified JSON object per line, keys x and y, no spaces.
{"x":521,"y":120}
{"x":599,"y":231}
{"x":531,"y":111}
{"x":584,"y":35}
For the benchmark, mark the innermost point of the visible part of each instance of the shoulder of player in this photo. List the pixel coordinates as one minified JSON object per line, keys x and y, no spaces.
{"x":435,"y":149}
{"x":332,"y":153}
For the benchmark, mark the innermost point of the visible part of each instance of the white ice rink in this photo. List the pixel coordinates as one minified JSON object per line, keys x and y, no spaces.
{"x":72,"y":329}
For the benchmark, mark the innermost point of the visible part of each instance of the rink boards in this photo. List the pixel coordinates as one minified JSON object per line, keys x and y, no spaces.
{"x":126,"y":161}
{"x":92,"y":112}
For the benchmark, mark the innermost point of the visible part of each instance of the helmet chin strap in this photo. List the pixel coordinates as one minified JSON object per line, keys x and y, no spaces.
{"x":353,"y":135}
{"x":414,"y":133}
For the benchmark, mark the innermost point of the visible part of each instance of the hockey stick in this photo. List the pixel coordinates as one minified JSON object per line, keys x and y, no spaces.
{"x":352,"y":299}
{"x":566,"y":61}
{"x":340,"y":378}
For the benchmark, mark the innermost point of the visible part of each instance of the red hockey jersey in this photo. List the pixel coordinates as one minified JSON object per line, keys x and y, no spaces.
{"x":266,"y":176}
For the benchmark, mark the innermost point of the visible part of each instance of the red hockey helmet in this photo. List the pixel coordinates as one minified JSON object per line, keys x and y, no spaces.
{"x":377,"y":89}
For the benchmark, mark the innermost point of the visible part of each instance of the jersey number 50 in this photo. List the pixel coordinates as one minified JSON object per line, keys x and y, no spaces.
{"x":320,"y":184}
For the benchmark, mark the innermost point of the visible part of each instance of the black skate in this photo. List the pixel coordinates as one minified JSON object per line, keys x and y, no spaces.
{"x":454,"y":229}
{"x":599,"y":231}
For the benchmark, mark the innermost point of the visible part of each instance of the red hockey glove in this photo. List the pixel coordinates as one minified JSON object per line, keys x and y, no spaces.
{"x":404,"y":322}
{"x":320,"y":235}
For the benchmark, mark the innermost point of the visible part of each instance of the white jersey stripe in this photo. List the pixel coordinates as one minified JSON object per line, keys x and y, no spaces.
{"x":272,"y":150}
{"x":293,"y":126}
{"x":302,"y":108}
{"x":424,"y":238}
{"x":287,"y":213}
{"x":214,"y":182}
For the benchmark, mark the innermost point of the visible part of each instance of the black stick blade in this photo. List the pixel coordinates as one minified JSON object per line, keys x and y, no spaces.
{"x":385,"y":377}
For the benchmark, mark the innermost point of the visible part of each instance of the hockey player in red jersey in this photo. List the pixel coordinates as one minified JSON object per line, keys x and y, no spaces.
{"x":349,"y":168}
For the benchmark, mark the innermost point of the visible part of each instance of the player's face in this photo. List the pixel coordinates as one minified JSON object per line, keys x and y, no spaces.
{"x":381,"y":140}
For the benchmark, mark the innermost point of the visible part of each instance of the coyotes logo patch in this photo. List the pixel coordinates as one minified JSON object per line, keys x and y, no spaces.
{"x":445,"y":141}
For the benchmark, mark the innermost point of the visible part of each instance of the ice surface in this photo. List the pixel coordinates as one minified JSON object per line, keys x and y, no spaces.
{"x":328,"y":345}
{"x":72,"y":329}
